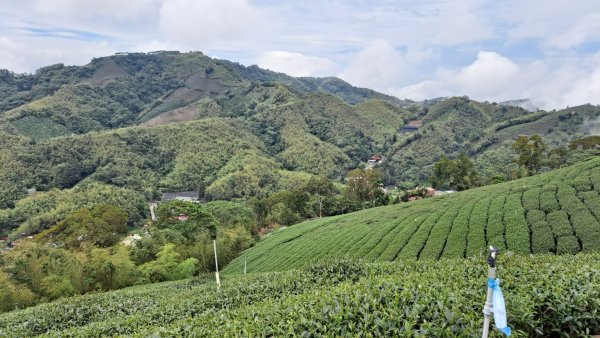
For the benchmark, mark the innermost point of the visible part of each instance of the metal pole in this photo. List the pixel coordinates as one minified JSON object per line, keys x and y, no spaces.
{"x":244,"y":266}
{"x":216,"y":265}
{"x":487,"y":308}
{"x":320,"y":207}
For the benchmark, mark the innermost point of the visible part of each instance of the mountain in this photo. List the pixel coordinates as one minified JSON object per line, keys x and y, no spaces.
{"x":176,"y":121}
{"x":130,"y":88}
{"x":556,"y":212}
{"x":288,"y":132}
{"x":482,"y":131}
{"x":84,"y":149}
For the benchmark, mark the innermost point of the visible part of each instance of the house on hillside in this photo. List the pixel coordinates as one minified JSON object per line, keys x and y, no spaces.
{"x":412,"y":126}
{"x":186,"y":196}
{"x":374,"y":160}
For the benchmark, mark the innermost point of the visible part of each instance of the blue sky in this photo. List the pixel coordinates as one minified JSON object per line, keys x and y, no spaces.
{"x":544,"y":50}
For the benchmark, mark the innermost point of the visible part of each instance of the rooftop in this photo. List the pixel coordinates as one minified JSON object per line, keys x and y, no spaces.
{"x":184,"y":195}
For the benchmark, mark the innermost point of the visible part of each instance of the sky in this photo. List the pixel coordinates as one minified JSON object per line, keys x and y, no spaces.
{"x":547,"y":51}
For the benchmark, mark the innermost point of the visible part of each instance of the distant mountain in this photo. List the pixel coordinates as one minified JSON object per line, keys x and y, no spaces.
{"x":132,"y":88}
{"x":176,"y":121}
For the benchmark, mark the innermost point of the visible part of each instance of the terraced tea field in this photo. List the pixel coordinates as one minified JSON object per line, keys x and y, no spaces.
{"x":337,"y":299}
{"x":556,"y":212}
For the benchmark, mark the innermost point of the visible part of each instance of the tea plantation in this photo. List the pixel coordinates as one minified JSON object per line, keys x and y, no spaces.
{"x":545,"y":294}
{"x":556,"y":212}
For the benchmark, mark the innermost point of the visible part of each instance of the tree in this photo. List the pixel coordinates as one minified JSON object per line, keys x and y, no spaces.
{"x":586,"y":143}
{"x":39,"y":267}
{"x":55,"y":286}
{"x":531,"y":152}
{"x":557,"y":157}
{"x":187,"y":218}
{"x":101,"y":227}
{"x":167,"y":266}
{"x":13,"y":295}
{"x":443,"y":172}
{"x":108,"y":269}
{"x":458,"y":174}
{"x":260,"y":210}
{"x":363,"y":184}
{"x":287,"y":207}
{"x":320,"y":186}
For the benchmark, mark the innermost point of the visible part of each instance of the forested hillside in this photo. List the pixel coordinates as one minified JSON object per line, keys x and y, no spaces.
{"x":129,"y":88}
{"x":169,"y":121}
{"x":320,"y":126}
{"x":218,"y":153}
{"x":157,"y":122}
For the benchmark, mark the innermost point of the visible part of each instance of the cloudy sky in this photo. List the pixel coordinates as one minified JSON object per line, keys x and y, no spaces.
{"x":544,"y":50}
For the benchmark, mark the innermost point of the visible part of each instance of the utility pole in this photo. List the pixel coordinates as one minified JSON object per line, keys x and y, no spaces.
{"x":214,"y":238}
{"x":320,"y":206}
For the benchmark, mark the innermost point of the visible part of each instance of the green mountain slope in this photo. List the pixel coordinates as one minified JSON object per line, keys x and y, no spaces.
{"x":555,"y":212}
{"x":282,"y":131}
{"x":459,"y":125}
{"x":317,"y":125}
{"x":130,"y":88}
{"x":341,"y":298}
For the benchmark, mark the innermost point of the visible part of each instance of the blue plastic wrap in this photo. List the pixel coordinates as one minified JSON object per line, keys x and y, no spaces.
{"x":499,"y":307}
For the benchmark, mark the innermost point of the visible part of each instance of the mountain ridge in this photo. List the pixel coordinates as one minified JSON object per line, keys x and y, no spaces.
{"x":299,"y":127}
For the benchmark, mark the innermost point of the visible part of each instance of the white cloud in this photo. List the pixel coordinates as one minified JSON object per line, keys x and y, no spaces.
{"x":543,"y":20}
{"x":296,"y":64}
{"x":494,"y":77}
{"x":457,"y":22}
{"x":584,"y":90}
{"x":78,"y":9}
{"x":20,"y":56}
{"x":195,"y":24}
{"x":12,"y":55}
{"x":379,"y":65}
{"x":490,"y":75}
{"x":587,"y":28}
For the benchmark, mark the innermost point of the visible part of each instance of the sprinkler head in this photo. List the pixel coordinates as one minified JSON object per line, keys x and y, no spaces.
{"x":491,"y":260}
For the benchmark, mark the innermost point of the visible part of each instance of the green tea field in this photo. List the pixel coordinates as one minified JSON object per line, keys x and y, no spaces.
{"x":557,"y":212}
{"x":337,"y":298}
